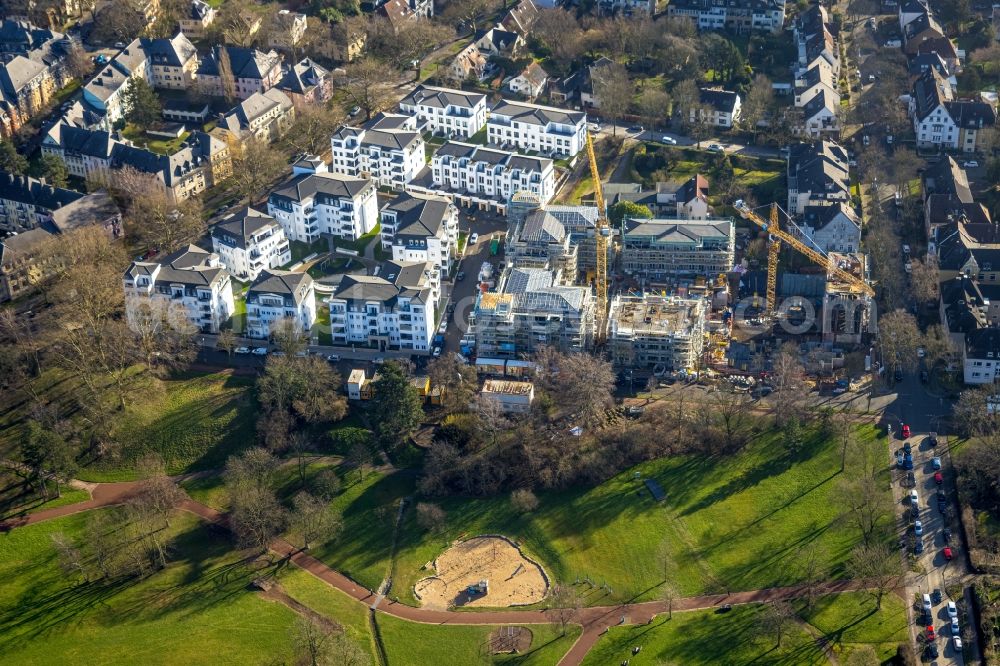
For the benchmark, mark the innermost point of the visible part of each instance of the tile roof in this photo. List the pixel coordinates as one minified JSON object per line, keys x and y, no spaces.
{"x":332,"y":185}
{"x":419,"y":215}
{"x":536,"y":114}
{"x":442,"y":98}
{"x":273,"y":281}
{"x":721,"y":100}
{"x":27,"y":190}
{"x":237,"y":229}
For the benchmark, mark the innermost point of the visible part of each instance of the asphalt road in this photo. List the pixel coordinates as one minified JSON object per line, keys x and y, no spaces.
{"x":609,"y":129}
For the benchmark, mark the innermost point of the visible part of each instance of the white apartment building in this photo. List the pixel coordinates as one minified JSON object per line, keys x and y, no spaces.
{"x":446,"y":112}
{"x":279,"y":295}
{"x":421,"y":228}
{"x":488,"y":175}
{"x":544,"y":129}
{"x":190,"y":282}
{"x":312,"y":205}
{"x":388,"y":149}
{"x":250,"y":242}
{"x":397,"y":311}
{"x":717,"y":107}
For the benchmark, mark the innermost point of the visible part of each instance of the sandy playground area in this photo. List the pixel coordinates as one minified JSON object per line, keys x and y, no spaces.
{"x":513,"y":580}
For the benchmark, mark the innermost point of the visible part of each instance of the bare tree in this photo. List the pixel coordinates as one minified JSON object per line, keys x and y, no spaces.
{"x":925,"y":279}
{"x":758,"y":104}
{"x":523,"y":500}
{"x":255,"y":166}
{"x":613,"y":90}
{"x":457,"y":381}
{"x":863,"y":655}
{"x":492,"y":419}
{"x":899,"y":337}
{"x":787,"y":374}
{"x":731,"y":411}
{"x":256,"y":517}
{"x":774,"y":619}
{"x":312,"y":641}
{"x":431,"y":517}
{"x":813,"y":569}
{"x":313,"y":519}
{"x":368,"y":85}
{"x":226,"y":341}
{"x":654,"y":106}
{"x":866,"y":503}
{"x":288,"y":335}
{"x":313,"y":125}
{"x":564,"y":606}
{"x":878,"y":565}
{"x":358,"y":457}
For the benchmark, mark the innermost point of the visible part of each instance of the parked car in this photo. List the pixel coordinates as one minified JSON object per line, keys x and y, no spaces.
{"x":918,"y":547}
{"x":899,"y":458}
{"x":952,"y":609}
{"x":947,"y":552}
{"x":957,"y":642}
{"x":259,"y":351}
{"x":971,"y":164}
{"x":898,"y":375}
{"x":907,"y":461}
{"x":930,"y":632}
{"x":931,"y":651}
{"x":635,"y":129}
{"x":242,"y":350}
{"x":946,"y":536}
{"x":925,"y":603}
{"x":436,"y":352}
{"x":911,"y":480}
{"x":355,"y":110}
{"x":119,"y":45}
{"x":936,"y":596}
{"x":907,"y":447}
{"x":914,"y":497}
{"x":955,"y":629}
{"x":936,"y":462}
{"x":918,"y":528}
{"x":669,"y":140}
{"x":906,"y":431}
{"x":938,"y":478}
{"x":473,"y":239}
{"x":715,"y":148}
{"x":332,"y":358}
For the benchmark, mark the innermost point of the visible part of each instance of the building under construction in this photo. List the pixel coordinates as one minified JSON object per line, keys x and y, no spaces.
{"x":847,"y":311}
{"x":651,"y":330}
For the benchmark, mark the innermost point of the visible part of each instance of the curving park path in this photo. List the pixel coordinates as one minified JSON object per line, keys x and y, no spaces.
{"x":594,"y":620}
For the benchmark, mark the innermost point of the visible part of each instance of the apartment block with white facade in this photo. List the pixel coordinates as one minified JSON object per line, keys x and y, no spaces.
{"x":421,"y":228}
{"x":249,"y":242}
{"x":487,"y":174}
{"x":543,"y":129}
{"x":280,"y":295}
{"x":190,"y":283}
{"x":446,"y":112}
{"x":313,"y":205}
{"x":395,"y":311}
{"x":388,"y":149}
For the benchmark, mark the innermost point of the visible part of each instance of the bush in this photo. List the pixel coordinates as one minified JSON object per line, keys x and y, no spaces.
{"x":523,"y":501}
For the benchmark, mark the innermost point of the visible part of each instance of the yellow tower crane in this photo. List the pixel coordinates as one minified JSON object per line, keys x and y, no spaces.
{"x":602,"y":234}
{"x":773,"y":250}
{"x":855,"y":283}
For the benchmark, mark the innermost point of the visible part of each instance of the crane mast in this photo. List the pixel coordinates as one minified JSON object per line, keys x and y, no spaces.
{"x":601,"y":234}
{"x":855,"y":283}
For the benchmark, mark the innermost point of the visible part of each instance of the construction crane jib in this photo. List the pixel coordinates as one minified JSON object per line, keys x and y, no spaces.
{"x":856,"y":284}
{"x":602,"y":234}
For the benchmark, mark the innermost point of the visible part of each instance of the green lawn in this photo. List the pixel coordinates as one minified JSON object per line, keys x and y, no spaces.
{"x":322,"y":325}
{"x":196,"y":610}
{"x":194,"y":422}
{"x":211,"y":490}
{"x":410,"y":644}
{"x":851,"y":619}
{"x":161,"y":146}
{"x":736,"y":521}
{"x":704,"y":637}
{"x":14,"y":504}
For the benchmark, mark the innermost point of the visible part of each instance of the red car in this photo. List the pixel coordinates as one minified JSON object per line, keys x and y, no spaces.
{"x":906,"y":431}
{"x":930,"y":633}
{"x":947,"y":553}
{"x":938,"y":478}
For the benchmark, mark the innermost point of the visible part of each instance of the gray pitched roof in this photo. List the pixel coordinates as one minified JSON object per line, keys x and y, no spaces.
{"x":237,"y":229}
{"x":332,"y":185}
{"x":542,"y":226}
{"x":723,"y":101}
{"x":419,"y":215}
{"x":17,"y":73}
{"x":303,"y":76}
{"x":442,"y":98}
{"x":174,"y":52}
{"x":535,"y":114}
{"x":286,"y":283}
{"x":27,"y":190}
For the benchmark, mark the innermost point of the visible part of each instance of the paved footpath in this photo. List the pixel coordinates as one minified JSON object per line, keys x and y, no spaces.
{"x":594,"y":620}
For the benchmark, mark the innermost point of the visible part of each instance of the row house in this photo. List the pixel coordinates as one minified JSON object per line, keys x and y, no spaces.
{"x":233,"y":71}
{"x":532,"y":127}
{"x":818,"y":174}
{"x":659,"y":249}
{"x":25,"y":202}
{"x":24,"y":260}
{"x":815,"y":40}
{"x":313,"y":205}
{"x":527,"y":311}
{"x":817,"y":94}
{"x":388,"y":149}
{"x":446,"y":112}
{"x":190,"y":285}
{"x":421,"y":228}
{"x":27,"y":87}
{"x":739,"y":16}
{"x":279,"y":296}
{"x":833,"y":228}
{"x":489,"y":175}
{"x":520,"y":18}
{"x":250,"y":242}
{"x":397,"y":311}
{"x":941,"y":121}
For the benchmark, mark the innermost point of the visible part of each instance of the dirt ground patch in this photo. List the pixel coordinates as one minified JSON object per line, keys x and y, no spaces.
{"x":507,"y":640}
{"x":511,"y":578}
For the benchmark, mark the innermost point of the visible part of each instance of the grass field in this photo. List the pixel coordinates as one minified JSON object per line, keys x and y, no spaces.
{"x":409,"y":644}
{"x":195,"y":422}
{"x":704,"y":637}
{"x":194,"y":611}
{"x":17,"y":505}
{"x":851,"y":619}
{"x":735,"y":521}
